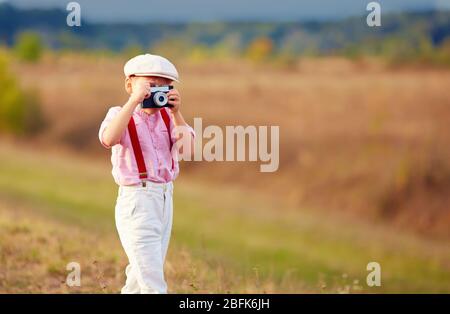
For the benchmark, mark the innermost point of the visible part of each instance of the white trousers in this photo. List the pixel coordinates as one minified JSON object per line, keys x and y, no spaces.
{"x":144,"y":222}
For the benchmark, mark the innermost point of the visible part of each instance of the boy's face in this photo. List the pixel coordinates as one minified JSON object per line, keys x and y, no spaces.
{"x":152,"y":80}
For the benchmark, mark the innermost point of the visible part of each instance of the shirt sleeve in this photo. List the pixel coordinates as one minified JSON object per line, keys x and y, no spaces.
{"x":111,"y":114}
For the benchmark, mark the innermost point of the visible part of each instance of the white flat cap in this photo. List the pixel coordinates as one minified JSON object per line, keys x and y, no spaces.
{"x":150,"y":65}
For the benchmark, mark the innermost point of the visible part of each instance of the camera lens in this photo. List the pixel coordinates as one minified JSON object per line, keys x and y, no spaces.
{"x":160,"y":99}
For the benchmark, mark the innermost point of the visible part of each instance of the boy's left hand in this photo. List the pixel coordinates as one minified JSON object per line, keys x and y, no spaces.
{"x":174,"y":100}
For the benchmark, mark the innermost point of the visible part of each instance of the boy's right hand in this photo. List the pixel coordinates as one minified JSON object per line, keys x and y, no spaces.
{"x":141,"y":90}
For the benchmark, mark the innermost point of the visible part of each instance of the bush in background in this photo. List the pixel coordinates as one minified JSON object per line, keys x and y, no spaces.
{"x":20,"y":111}
{"x":260,"y":49}
{"x":403,"y":50}
{"x":29,"y":47}
{"x":132,"y":50}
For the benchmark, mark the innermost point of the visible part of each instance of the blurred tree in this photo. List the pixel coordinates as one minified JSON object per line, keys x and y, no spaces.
{"x":132,"y":50}
{"x":444,"y":52}
{"x":20,"y":112}
{"x":173,"y":48}
{"x":199,"y":53}
{"x":29,"y":46}
{"x":70,"y":42}
{"x":260,"y":49}
{"x":228,"y":47}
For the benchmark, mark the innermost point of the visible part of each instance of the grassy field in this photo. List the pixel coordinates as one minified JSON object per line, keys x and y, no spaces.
{"x":57,"y":207}
{"x":355,"y":137}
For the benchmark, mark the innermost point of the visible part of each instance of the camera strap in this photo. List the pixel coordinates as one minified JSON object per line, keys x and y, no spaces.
{"x":137,"y":146}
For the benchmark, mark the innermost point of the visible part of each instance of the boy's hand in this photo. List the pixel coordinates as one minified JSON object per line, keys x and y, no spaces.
{"x":174,"y":100}
{"x":141,"y":90}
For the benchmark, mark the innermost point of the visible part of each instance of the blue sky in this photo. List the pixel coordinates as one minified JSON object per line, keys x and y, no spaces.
{"x":226,"y":10}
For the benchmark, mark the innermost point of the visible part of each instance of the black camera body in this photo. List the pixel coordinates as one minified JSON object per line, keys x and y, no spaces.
{"x":158,"y":97}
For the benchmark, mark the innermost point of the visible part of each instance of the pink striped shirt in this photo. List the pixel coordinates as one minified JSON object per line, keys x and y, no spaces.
{"x":154,"y":140}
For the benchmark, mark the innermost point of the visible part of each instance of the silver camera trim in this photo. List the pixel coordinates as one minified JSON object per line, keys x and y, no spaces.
{"x":156,"y":100}
{"x":159,"y":89}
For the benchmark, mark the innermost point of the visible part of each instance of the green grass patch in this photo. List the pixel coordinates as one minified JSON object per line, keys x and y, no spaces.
{"x":295,"y":250}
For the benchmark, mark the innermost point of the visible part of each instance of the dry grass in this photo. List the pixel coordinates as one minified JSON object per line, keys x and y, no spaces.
{"x":355,"y":137}
{"x":225,"y":239}
{"x":35,"y":250}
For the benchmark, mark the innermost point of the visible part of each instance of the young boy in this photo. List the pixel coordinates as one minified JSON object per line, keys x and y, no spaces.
{"x":144,"y":168}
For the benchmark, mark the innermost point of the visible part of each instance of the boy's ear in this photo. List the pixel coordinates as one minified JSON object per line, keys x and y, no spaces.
{"x":128,"y":85}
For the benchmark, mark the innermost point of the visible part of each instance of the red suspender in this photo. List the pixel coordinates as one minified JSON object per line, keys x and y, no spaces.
{"x":137,"y":149}
{"x":166,"y":119}
{"x":137,"y":146}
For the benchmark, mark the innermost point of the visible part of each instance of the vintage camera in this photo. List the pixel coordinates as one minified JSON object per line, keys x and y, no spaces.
{"x":158,"y":97}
